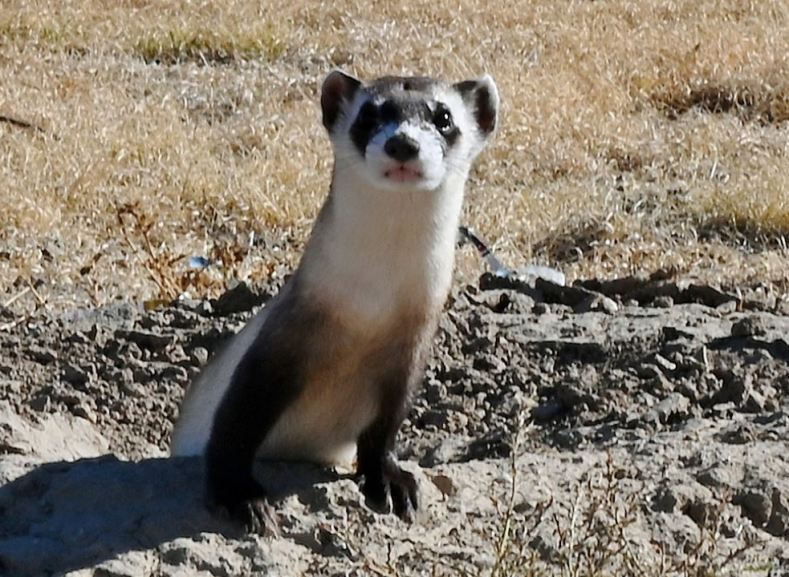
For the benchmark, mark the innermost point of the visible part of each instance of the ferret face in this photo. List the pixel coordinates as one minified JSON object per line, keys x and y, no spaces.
{"x":407,"y":133}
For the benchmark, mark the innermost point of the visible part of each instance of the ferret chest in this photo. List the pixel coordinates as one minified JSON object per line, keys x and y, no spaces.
{"x":341,"y":395}
{"x":374,"y":255}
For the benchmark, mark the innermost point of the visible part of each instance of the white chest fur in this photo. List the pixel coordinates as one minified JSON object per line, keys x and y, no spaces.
{"x":377,"y":252}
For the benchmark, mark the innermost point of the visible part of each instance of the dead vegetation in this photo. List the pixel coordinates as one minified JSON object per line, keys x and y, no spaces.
{"x":207,"y":47}
{"x":594,"y":534}
{"x":634,"y":136}
{"x":768,"y":105}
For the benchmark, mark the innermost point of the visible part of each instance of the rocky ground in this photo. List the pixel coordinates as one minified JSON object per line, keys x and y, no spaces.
{"x":630,"y":427}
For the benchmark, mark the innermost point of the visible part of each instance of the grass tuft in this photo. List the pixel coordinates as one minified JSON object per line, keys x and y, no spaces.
{"x":763,"y":103}
{"x":209,"y":46}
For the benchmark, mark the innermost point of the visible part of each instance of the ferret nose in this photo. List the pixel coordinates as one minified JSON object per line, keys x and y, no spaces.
{"x":401,"y":148}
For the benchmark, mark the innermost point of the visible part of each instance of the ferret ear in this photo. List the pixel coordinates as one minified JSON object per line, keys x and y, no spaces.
{"x":483,"y":98}
{"x":337,"y":88}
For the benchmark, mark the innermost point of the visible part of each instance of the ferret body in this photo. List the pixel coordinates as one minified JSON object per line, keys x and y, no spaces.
{"x":327,"y":369}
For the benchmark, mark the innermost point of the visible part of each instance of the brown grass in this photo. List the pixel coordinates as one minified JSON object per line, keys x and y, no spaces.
{"x":596,"y":534}
{"x":634,"y":135}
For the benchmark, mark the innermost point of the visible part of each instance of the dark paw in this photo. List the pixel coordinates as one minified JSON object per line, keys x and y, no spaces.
{"x":254,"y":515}
{"x":396,"y":491}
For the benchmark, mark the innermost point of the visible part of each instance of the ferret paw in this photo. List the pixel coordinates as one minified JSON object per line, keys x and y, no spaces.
{"x":254,"y":515}
{"x":257,"y":516}
{"x":396,"y":491}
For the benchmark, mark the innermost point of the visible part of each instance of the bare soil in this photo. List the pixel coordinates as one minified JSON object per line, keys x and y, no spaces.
{"x":585,"y":430}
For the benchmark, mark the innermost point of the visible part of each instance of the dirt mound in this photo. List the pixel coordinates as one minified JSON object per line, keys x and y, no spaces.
{"x":655,"y":412}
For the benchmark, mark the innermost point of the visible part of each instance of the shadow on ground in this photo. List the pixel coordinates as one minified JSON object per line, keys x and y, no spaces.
{"x":63,"y":516}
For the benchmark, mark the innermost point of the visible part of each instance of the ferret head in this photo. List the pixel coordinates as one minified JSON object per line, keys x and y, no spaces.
{"x":400,"y":133}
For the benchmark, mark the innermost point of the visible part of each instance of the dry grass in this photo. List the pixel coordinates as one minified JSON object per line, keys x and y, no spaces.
{"x":598,"y":533}
{"x":634,"y":135}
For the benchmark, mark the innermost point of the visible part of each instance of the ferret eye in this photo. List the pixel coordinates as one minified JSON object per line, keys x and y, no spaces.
{"x":368,"y":115}
{"x":442,"y":119}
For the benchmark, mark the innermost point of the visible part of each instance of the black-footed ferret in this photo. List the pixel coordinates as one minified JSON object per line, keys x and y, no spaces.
{"x":328,"y":367}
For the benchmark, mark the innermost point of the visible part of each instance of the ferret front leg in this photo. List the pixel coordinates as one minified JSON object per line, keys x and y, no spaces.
{"x":385,"y":481}
{"x":262,"y":388}
{"x":231,"y":487}
{"x":232,"y":490}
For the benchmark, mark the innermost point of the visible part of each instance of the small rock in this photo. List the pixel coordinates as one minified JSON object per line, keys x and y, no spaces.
{"x":541,"y":308}
{"x":113,"y":315}
{"x":747,"y":327}
{"x":489,"y":363}
{"x":572,"y":396}
{"x":702,"y":512}
{"x":519,"y":303}
{"x":568,"y":439}
{"x":665,"y":500}
{"x":663,"y":302}
{"x":649,"y":372}
{"x":548,"y":411}
{"x":199,"y":356}
{"x":534,"y":271}
{"x":735,"y":389}
{"x":718,"y":476}
{"x":687,"y":388}
{"x":608,"y":305}
{"x":84,"y":412}
{"x":131,"y":387}
{"x":476,"y":345}
{"x":126,"y":375}
{"x":435,"y":418}
{"x":77,"y":338}
{"x":727,"y":307}
{"x":333,"y":545}
{"x":145,"y":339}
{"x":176,"y":354}
{"x":175,"y":373}
{"x":41,"y":403}
{"x":778,"y":524}
{"x":492,"y":446}
{"x":664,"y":363}
{"x":444,"y":484}
{"x":449,"y":450}
{"x":129,"y":564}
{"x":460,"y":421}
{"x":674,"y":407}
{"x":500,"y":304}
{"x":74,"y":375}
{"x":754,"y":402}
{"x":737,"y":435}
{"x":596,"y":303}
{"x":175,"y":555}
{"x":236,"y":300}
{"x":755,"y":504}
{"x":71,"y":401}
{"x":673,"y":334}
{"x":672,"y":497}
{"x":42,"y":356}
{"x":435,"y":391}
{"x":204,"y":308}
